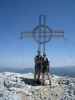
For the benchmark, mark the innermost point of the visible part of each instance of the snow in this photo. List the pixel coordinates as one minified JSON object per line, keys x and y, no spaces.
{"x":12,"y":87}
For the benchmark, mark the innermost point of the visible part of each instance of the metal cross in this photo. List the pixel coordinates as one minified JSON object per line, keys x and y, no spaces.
{"x":42,"y":34}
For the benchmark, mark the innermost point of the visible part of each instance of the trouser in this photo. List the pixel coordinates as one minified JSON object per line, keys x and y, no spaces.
{"x":37,"y":72}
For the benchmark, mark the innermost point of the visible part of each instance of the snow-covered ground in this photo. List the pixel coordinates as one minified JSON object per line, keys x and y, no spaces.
{"x":13,"y":87}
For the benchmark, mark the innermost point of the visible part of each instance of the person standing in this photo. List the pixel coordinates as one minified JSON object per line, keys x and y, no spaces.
{"x":45,"y":69}
{"x":37,"y":66}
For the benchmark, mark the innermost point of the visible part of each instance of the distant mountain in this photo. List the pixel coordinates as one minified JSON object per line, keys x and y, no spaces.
{"x":69,"y":71}
{"x":62,"y":71}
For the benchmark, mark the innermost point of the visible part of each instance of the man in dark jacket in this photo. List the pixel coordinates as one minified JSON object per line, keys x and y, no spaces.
{"x":45,"y":68}
{"x":37,"y":66}
{"x":45,"y":64}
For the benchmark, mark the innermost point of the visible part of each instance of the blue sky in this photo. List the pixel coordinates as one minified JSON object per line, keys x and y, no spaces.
{"x":22,"y":15}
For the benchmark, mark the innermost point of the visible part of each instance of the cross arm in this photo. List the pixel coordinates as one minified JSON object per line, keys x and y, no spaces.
{"x":26,"y":35}
{"x":58,"y":33}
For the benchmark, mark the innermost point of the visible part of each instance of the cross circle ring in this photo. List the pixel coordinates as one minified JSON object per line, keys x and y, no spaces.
{"x":42,"y":34}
